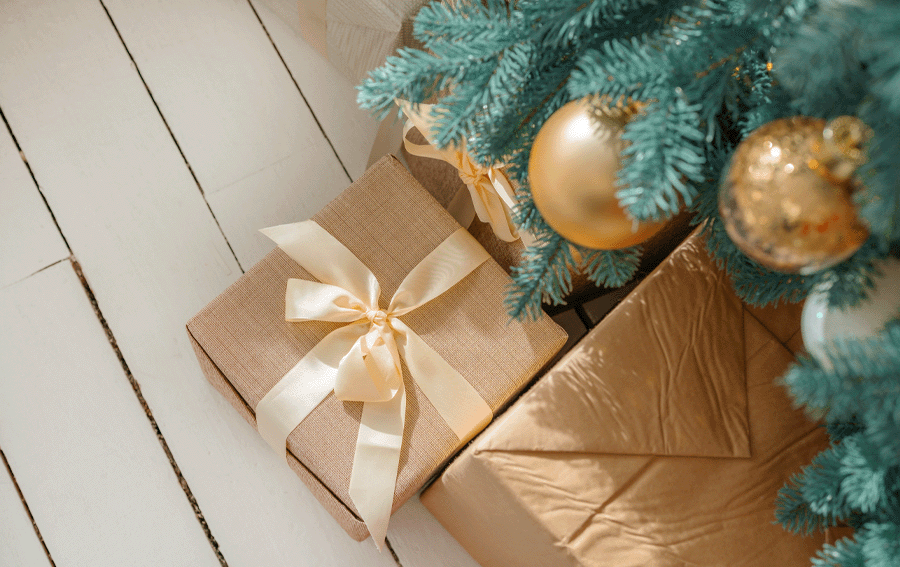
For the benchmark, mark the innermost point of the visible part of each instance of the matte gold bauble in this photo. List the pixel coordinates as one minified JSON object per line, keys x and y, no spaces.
{"x":786,"y":199}
{"x":572,"y":173}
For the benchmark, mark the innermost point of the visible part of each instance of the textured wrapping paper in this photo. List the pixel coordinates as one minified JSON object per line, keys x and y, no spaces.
{"x":661,"y":439}
{"x":390,"y":223}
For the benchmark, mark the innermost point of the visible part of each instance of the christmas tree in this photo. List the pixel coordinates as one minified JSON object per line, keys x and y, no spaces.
{"x":704,"y":75}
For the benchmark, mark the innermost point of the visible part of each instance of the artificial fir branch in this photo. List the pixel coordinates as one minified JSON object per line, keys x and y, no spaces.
{"x":863,"y":482}
{"x":703,"y":68}
{"x":662,"y":159}
{"x":567,"y":20}
{"x":437,"y":23}
{"x":838,"y":430}
{"x":710,"y":72}
{"x":641,"y":71}
{"x":544,"y":275}
{"x":804,"y":510}
{"x":610,"y":268}
{"x":881,"y":544}
{"x":861,"y":376}
{"x":845,"y":553}
{"x":857,"y":479}
{"x":880,"y":204}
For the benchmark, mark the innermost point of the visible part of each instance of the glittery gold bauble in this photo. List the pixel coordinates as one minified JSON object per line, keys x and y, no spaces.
{"x":787,"y":197}
{"x":572,"y":173}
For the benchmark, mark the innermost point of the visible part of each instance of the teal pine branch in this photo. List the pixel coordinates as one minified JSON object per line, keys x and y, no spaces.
{"x":610,"y":268}
{"x":709,"y":73}
{"x":663,"y":159}
{"x":543,"y":275}
{"x":498,"y":70}
{"x":845,"y":553}
{"x":857,"y":480}
{"x":793,"y":511}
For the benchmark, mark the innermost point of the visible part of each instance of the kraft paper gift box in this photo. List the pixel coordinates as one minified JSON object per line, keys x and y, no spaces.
{"x":390,"y":223}
{"x":662,"y":439}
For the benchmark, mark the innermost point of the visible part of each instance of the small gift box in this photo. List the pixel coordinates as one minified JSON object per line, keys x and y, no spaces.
{"x":381,"y":308}
{"x":357,"y":35}
{"x":674,"y":440}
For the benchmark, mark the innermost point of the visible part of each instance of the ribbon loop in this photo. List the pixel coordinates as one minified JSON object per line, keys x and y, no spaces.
{"x":342,"y":269}
{"x":314,"y":301}
{"x":371,"y":371}
{"x":361,"y":362}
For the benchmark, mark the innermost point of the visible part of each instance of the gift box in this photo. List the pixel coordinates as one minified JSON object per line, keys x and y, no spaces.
{"x":386,"y":220}
{"x":357,"y":35}
{"x":661,"y":439}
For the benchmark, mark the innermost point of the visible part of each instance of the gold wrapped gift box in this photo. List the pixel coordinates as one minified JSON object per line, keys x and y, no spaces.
{"x":661,"y":439}
{"x":390,"y":223}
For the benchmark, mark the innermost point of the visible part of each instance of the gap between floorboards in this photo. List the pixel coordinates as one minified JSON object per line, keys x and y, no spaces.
{"x":172,"y":134}
{"x":34,"y":525}
{"x":299,"y":90}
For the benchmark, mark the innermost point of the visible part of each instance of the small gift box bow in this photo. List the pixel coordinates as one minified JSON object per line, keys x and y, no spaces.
{"x":492,"y":193}
{"x":360,"y":362}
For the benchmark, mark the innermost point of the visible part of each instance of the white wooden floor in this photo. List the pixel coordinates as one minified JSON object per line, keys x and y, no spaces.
{"x":144,"y":143}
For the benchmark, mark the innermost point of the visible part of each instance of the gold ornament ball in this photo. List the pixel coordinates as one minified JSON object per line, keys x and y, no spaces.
{"x":572,"y":173}
{"x":786,"y":199}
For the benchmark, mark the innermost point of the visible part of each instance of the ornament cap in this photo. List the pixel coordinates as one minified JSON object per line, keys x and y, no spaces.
{"x":842,"y":149}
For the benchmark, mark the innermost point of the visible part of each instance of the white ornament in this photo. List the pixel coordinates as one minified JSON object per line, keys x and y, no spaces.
{"x":822,"y":325}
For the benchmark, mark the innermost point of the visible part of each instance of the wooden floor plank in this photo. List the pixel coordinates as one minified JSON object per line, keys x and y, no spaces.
{"x":19,"y":544}
{"x":153,"y":255}
{"x":331,"y":96}
{"x":29,"y":240}
{"x":96,"y":480}
{"x":238,"y":117}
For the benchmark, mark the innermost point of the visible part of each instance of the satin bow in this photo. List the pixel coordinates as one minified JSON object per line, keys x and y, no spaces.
{"x":492,"y":193}
{"x":361,"y":361}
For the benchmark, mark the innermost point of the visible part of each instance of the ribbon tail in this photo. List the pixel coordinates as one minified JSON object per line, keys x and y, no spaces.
{"x":454,"y":398}
{"x":508,"y":194}
{"x":503,"y":187}
{"x":303,"y":387}
{"x":492,"y":209}
{"x":376,"y":463}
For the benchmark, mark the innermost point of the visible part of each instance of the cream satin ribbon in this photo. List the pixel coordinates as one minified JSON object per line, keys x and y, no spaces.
{"x":492,"y":194}
{"x":360,"y":362}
